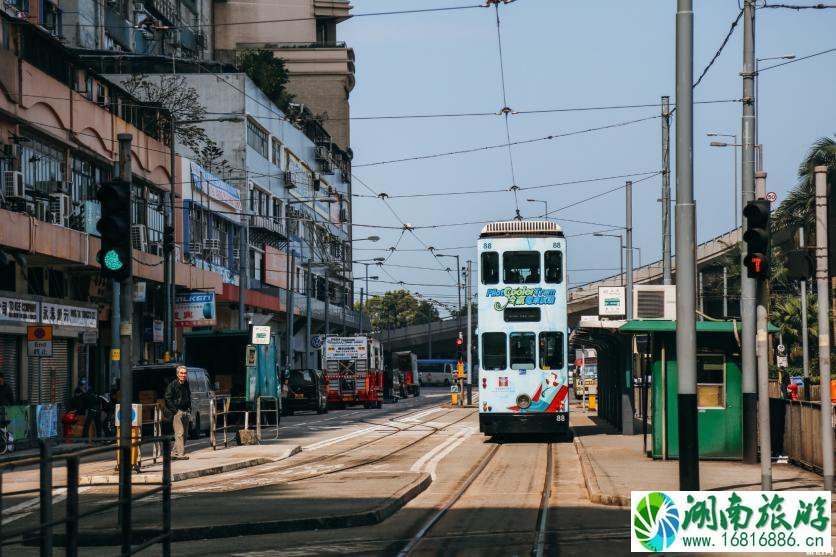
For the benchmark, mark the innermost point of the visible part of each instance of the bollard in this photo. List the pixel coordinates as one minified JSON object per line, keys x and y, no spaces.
{"x":72,"y":506}
{"x":46,"y":497}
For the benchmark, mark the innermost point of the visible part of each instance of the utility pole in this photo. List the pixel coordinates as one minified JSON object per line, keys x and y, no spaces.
{"x":168,"y":256}
{"x":823,"y":289}
{"x":468,"y":287}
{"x":747,"y":284}
{"x":686,"y":327}
{"x":725,"y":293}
{"x":327,"y":302}
{"x":629,"y":227}
{"x":805,"y":354}
{"x":126,"y":365}
{"x":762,"y":354}
{"x":308,"y":314}
{"x":666,"y":191}
{"x":290,"y":272}
{"x":115,"y":319}
{"x":244,"y":261}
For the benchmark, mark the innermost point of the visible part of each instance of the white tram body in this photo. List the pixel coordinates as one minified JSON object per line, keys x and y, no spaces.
{"x":523,"y":332}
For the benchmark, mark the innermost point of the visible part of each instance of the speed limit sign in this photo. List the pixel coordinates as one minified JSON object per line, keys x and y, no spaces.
{"x":781,"y":348}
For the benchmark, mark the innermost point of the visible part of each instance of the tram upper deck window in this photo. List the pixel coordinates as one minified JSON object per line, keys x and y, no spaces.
{"x":522,"y":350}
{"x":554,"y":267}
{"x":551,"y":350}
{"x":521,"y":267}
{"x":490,"y":267}
{"x":494,"y":351}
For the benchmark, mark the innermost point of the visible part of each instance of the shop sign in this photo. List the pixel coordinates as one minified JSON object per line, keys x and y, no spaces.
{"x":12,"y":309}
{"x":71,"y":316}
{"x":215,"y":188}
{"x":261,"y":334}
{"x":157,"y":331}
{"x":194,"y":309}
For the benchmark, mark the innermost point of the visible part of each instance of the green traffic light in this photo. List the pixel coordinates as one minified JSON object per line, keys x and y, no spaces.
{"x":112,"y":261}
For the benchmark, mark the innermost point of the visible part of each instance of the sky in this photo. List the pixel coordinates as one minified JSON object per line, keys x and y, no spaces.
{"x":560,"y":54}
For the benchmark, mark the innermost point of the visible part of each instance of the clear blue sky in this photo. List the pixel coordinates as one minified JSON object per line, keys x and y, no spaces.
{"x":563,"y":54}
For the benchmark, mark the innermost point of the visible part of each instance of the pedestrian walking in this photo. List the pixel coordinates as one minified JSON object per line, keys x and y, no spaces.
{"x":178,"y":406}
{"x":7,"y":396}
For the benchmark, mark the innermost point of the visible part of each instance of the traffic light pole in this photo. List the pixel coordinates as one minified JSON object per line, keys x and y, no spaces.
{"x":823,"y":286}
{"x":748,"y":285}
{"x":762,"y":352}
{"x":805,"y":349}
{"x":467,"y":292}
{"x":126,"y":381}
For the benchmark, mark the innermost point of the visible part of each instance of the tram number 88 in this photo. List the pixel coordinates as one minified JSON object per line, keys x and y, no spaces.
{"x":561,"y":417}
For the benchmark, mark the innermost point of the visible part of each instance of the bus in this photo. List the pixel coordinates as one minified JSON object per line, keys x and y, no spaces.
{"x":437,"y":371}
{"x":523,"y":329}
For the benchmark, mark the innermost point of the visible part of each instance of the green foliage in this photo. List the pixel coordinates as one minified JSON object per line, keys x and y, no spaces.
{"x":398,"y":308}
{"x":798,"y":208}
{"x":268,"y":73}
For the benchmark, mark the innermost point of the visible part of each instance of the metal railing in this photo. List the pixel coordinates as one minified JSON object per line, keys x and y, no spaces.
{"x":46,"y":524}
{"x":260,"y":411}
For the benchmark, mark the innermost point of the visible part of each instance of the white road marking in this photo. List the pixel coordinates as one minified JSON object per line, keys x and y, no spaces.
{"x":333,"y":440}
{"x":429,"y":462}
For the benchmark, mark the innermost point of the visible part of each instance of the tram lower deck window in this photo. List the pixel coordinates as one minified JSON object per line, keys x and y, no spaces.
{"x":494,"y":352}
{"x":522,"y":350}
{"x":551,"y":350}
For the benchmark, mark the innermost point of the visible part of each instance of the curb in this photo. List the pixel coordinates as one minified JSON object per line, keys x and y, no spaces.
{"x":98,"y":538}
{"x":591,"y":481}
{"x":156,"y":479}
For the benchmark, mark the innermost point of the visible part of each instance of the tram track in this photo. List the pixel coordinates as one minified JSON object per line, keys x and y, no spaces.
{"x":426,"y":532}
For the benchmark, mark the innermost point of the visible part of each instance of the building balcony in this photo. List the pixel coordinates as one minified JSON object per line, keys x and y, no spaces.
{"x":270,"y":224}
{"x":336,"y":9}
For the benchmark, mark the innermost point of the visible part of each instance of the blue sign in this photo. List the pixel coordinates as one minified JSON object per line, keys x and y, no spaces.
{"x":316,"y":341}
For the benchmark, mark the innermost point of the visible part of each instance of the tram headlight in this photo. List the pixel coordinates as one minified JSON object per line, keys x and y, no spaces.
{"x":523,"y":401}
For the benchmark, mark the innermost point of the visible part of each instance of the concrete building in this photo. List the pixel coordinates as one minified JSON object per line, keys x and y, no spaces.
{"x":59,"y":124}
{"x":304,"y":34}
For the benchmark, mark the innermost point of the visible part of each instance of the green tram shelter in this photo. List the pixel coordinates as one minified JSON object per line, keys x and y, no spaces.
{"x":719,"y":382}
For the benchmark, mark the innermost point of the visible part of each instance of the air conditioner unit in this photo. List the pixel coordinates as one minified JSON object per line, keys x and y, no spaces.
{"x":195,"y":248}
{"x":139,"y":237}
{"x":236,"y":254}
{"x":212,"y":245}
{"x":326,"y":166}
{"x":155,"y":248}
{"x":322,"y":152}
{"x":288,"y":179}
{"x":13,"y":186}
{"x":317,"y":182}
{"x":60,"y":205}
{"x":654,"y":302}
{"x":41,"y":211}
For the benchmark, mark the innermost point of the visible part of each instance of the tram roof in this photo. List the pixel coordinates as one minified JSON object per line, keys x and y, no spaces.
{"x":522,"y":228}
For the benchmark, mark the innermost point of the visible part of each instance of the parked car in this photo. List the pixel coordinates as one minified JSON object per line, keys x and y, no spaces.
{"x":307,"y":390}
{"x":150,"y":382}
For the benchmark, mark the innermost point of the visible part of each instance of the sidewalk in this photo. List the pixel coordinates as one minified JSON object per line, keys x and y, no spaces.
{"x":613,"y":465}
{"x":202,"y":462}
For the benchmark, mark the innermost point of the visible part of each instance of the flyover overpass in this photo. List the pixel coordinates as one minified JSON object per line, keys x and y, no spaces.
{"x":438,"y":339}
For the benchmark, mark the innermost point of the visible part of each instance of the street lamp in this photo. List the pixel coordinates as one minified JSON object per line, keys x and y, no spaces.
{"x":544,"y":202}
{"x":458,"y":281}
{"x":168,"y":261}
{"x":369,"y":239}
{"x":758,"y":148}
{"x":734,"y":169}
{"x":620,"y":250}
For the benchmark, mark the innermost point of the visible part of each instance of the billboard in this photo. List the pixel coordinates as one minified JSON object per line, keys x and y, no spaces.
{"x":194,"y":309}
{"x":346,"y":348}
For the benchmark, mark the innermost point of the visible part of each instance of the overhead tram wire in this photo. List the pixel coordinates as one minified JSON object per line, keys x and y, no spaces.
{"x":506,"y":110}
{"x":797,"y":59}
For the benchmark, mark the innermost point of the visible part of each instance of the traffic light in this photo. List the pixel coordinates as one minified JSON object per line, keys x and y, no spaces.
{"x":757,"y":238}
{"x":115,"y":228}
{"x":168,"y":239}
{"x":800,"y":264}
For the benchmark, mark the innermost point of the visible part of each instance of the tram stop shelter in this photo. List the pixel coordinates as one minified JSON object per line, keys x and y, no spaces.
{"x":647,"y":348}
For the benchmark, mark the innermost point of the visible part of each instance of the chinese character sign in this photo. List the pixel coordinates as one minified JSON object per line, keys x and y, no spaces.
{"x":730,"y":521}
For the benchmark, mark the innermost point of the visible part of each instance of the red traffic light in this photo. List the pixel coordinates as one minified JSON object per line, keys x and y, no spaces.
{"x":757,"y":265}
{"x":459,"y":342}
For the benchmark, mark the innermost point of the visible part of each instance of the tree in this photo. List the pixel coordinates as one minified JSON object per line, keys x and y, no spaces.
{"x":269,"y":74}
{"x":398,"y":308}
{"x":182,"y":101}
{"x":798,"y":208}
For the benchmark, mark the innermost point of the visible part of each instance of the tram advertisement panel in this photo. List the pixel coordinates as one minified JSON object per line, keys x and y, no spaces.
{"x":523,"y":326}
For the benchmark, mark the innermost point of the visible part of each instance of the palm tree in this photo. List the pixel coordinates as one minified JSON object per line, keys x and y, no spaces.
{"x":798,"y":208}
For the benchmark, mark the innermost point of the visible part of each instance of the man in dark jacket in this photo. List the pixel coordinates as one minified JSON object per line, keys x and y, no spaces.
{"x":178,"y":406}
{"x":7,"y":396}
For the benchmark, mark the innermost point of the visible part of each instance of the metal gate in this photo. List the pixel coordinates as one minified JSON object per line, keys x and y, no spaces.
{"x":10,"y":362}
{"x":53,"y":382}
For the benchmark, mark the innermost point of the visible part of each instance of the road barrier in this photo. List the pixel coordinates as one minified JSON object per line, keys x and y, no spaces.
{"x":43,"y":531}
{"x":262,"y":412}
{"x":228,"y":415}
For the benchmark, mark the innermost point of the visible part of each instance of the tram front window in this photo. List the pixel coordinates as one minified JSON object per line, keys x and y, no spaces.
{"x":554,"y":267}
{"x":522,"y":350}
{"x":551,"y":350}
{"x":490,"y":267}
{"x":493,"y":351}
{"x":521,"y":267}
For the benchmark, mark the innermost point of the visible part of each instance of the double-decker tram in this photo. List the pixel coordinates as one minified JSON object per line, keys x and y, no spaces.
{"x":523,"y":334}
